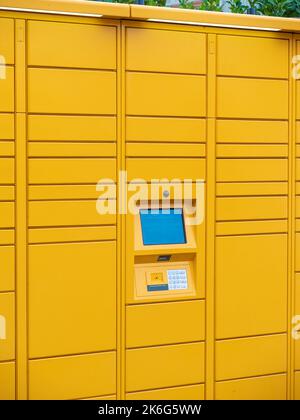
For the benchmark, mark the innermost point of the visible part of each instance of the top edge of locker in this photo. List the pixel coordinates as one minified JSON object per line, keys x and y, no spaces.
{"x":162,"y":14}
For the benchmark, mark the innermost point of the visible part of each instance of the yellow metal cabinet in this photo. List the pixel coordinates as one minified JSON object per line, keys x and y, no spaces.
{"x":297,"y":385}
{"x":7,"y":383}
{"x":72,"y":377}
{"x":163,"y":168}
{"x":257,"y":57}
{"x":52,"y":44}
{"x":252,"y":98}
{"x":65,"y":91}
{"x":191,"y":392}
{"x":60,"y":171}
{"x":7,"y":40}
{"x":297,"y":252}
{"x":254,"y":354}
{"x":7,"y":322}
{"x":179,"y":130}
{"x":165,"y":323}
{"x":261,"y":388}
{"x":66,"y":213}
{"x":71,"y":128}
{"x":7,"y":128}
{"x":7,"y":264}
{"x":157,"y":367}
{"x":251,"y":288}
{"x":164,"y":150}
{"x":251,"y":131}
{"x":7,"y":219}
{"x":297,"y":312}
{"x":7,"y":174}
{"x":165,"y":94}
{"x":72,"y":298}
{"x":165,"y":51}
{"x":7,"y":103}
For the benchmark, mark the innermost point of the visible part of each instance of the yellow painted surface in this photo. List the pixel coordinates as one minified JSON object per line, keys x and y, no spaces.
{"x":235,"y":170}
{"x":297,"y":385}
{"x":7,"y":49}
{"x":7,"y":383}
{"x":7,"y":126}
{"x":7,"y":264}
{"x":164,"y":150}
{"x":7,"y":148}
{"x":57,"y":378}
{"x":248,"y":268}
{"x":251,"y":189}
{"x":69,"y":171}
{"x":7,"y":316}
{"x":255,"y":354}
{"x":72,"y":234}
{"x":191,"y":392}
{"x":242,"y":227}
{"x":43,"y":149}
{"x":68,"y":192}
{"x":165,"y":51}
{"x":153,"y":367}
{"x":251,"y":131}
{"x":254,"y":150}
{"x":257,"y":57}
{"x":151,"y":129}
{"x":44,"y":50}
{"x":260,"y":388}
{"x":165,"y":95}
{"x":170,"y":168}
{"x":165,"y":323}
{"x":71,"y":307}
{"x":71,"y":128}
{"x":297,"y":252}
{"x":297,"y":313}
{"x":7,"y":174}
{"x":251,"y":208}
{"x":252,"y":98}
{"x":66,"y":213}
{"x":7,"y":215}
{"x":105,"y":397}
{"x":52,"y":91}
{"x":7,"y":103}
{"x":7,"y":236}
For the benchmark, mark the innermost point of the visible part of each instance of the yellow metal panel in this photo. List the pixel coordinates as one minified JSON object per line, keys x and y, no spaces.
{"x":71,"y":128}
{"x":68,"y":171}
{"x":251,"y":208}
{"x":7,"y":264}
{"x":166,"y":168}
{"x":7,"y":314}
{"x":254,"y":150}
{"x":232,"y":170}
{"x":7,"y":148}
{"x":237,"y":131}
{"x":65,"y":192}
{"x":72,"y":310}
{"x":165,"y":51}
{"x":261,"y":388}
{"x":298,"y":131}
{"x":106,"y":397}
{"x":7,"y":37}
{"x":252,"y":98}
{"x":52,"y":44}
{"x":67,"y":213}
{"x":251,"y":285}
{"x":298,"y":100}
{"x":255,"y":352}
{"x":55,"y":149}
{"x":298,"y":206}
{"x":165,"y":94}
{"x":7,"y":214}
{"x":251,"y":227}
{"x":297,"y":386}
{"x":7,"y":128}
{"x":297,"y":260}
{"x":72,"y":234}
{"x":183,"y":130}
{"x":158,"y":367}
{"x":298,"y":169}
{"x":297,"y":312}
{"x":62,"y":91}
{"x":57,"y":378}
{"x":191,"y":392}
{"x":7,"y":192}
{"x":165,"y":150}
{"x":7,"y":173}
{"x":252,"y":56}
{"x":7,"y":383}
{"x":7,"y":236}
{"x":165,"y":323}
{"x":7,"y":103}
{"x":252,"y":188}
